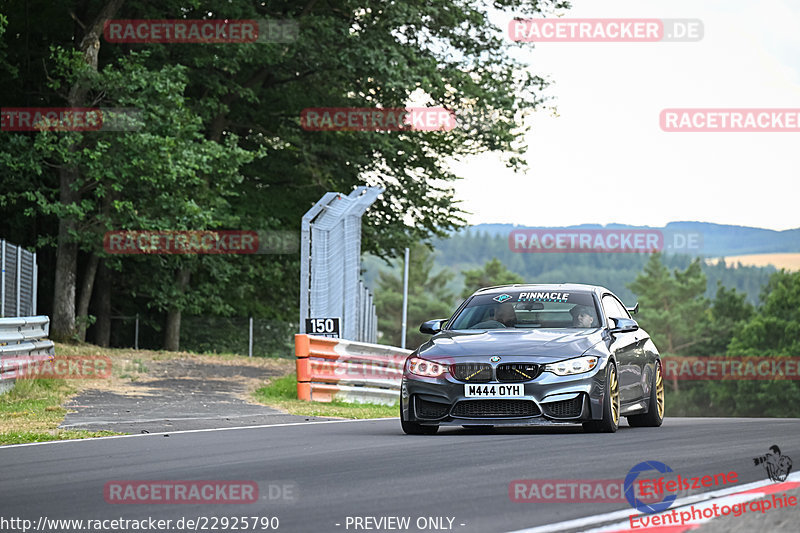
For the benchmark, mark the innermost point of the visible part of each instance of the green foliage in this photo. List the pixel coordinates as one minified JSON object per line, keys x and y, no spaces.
{"x":727,"y":315}
{"x":282,"y":393}
{"x":427,"y":299}
{"x":775,"y":328}
{"x":32,"y":412}
{"x":672,"y":305}
{"x":283,"y":388}
{"x":22,"y":437}
{"x":220,"y":145}
{"x":493,"y":273}
{"x":731,"y":323}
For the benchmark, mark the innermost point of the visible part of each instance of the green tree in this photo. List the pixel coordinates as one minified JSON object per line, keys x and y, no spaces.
{"x":771,"y":330}
{"x":775,"y":328}
{"x":728,"y":313}
{"x":493,"y":273}
{"x":427,"y":298}
{"x":161,"y":175}
{"x":672,"y":305}
{"x":349,"y":53}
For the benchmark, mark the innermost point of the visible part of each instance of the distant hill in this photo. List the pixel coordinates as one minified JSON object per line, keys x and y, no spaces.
{"x":472,"y":247}
{"x":717,"y":239}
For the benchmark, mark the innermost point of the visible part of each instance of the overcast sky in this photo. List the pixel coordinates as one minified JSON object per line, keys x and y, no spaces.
{"x":604,"y":158}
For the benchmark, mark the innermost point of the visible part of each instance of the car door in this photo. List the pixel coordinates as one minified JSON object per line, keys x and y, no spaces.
{"x":625,"y":347}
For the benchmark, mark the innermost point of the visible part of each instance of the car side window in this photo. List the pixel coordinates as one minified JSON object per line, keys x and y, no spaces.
{"x":623,"y":313}
{"x":608,"y":310}
{"x":613,"y":309}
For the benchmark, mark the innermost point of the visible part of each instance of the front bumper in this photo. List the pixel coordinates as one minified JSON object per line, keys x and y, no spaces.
{"x":547,"y":399}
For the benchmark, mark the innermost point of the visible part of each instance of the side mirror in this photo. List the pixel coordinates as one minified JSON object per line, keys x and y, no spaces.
{"x":633,"y":310}
{"x":432,"y":327}
{"x":624,"y":325}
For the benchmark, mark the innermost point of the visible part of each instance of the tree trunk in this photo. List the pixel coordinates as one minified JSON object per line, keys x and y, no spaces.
{"x":172,"y":330}
{"x":63,"y":326}
{"x":86,"y":296}
{"x":103,"y":331}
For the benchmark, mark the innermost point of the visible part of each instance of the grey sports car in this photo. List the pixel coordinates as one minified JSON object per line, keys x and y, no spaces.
{"x":534,"y":354}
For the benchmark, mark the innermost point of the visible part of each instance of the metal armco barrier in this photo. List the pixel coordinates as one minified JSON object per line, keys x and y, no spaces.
{"x":336,"y":369}
{"x":18,"y":275}
{"x":23,"y":340}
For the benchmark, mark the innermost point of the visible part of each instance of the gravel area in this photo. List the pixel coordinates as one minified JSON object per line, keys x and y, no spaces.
{"x":153,"y":396}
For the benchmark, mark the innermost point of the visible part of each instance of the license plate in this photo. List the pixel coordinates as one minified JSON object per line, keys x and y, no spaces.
{"x":493,"y":391}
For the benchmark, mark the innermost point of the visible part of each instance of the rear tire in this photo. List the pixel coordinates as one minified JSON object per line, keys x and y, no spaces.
{"x":610,"y":420}
{"x":655,"y":414}
{"x":412,"y":428}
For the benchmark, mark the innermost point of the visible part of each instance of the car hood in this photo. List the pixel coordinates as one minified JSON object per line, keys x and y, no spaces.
{"x":552,"y":344}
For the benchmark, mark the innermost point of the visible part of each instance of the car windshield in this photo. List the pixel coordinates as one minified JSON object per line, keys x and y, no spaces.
{"x":529,"y":309}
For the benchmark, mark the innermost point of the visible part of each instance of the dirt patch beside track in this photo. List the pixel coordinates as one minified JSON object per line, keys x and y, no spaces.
{"x":161,"y":391}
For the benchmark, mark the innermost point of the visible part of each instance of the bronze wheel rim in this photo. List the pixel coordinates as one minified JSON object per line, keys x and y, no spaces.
{"x":659,"y":392}
{"x":613,"y":386}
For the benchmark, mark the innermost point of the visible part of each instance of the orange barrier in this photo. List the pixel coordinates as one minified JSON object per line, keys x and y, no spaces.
{"x":336,"y":369}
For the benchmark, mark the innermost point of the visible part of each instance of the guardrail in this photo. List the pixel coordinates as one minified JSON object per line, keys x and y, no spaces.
{"x":18,"y":275}
{"x":336,"y":369}
{"x":23,"y":341}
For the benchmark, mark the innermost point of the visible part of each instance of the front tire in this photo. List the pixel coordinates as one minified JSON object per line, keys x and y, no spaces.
{"x":412,"y":428}
{"x":655,"y":414}
{"x":610,"y":420}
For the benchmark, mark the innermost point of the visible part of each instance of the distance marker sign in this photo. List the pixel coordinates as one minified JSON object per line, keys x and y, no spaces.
{"x":326,"y":327}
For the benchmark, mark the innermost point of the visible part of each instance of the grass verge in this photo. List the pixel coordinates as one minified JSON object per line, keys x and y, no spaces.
{"x":282,"y":393}
{"x":32,"y":411}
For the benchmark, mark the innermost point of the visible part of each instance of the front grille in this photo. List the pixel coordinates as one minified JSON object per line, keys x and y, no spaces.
{"x":495,"y":408}
{"x":430,"y":410}
{"x":518,"y":371}
{"x":472,"y":372}
{"x":564,"y":408}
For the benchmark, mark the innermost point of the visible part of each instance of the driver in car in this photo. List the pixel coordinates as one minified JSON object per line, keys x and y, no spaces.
{"x":504,"y":316}
{"x":582,"y":316}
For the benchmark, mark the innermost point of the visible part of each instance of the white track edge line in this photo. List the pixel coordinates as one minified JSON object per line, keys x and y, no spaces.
{"x":262,"y":426}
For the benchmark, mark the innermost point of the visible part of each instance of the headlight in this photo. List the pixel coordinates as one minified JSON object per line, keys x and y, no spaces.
{"x":572,"y":366}
{"x":428,"y":369}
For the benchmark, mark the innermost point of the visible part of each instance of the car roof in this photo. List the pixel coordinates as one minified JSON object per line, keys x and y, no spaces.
{"x":563,"y":287}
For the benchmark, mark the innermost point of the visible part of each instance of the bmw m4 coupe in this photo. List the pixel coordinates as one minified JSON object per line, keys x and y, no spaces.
{"x":530,"y":355}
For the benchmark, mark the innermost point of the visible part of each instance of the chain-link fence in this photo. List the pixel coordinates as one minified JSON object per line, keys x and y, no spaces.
{"x":233,"y":335}
{"x":18,"y":274}
{"x":330,"y":265}
{"x":209,"y":334}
